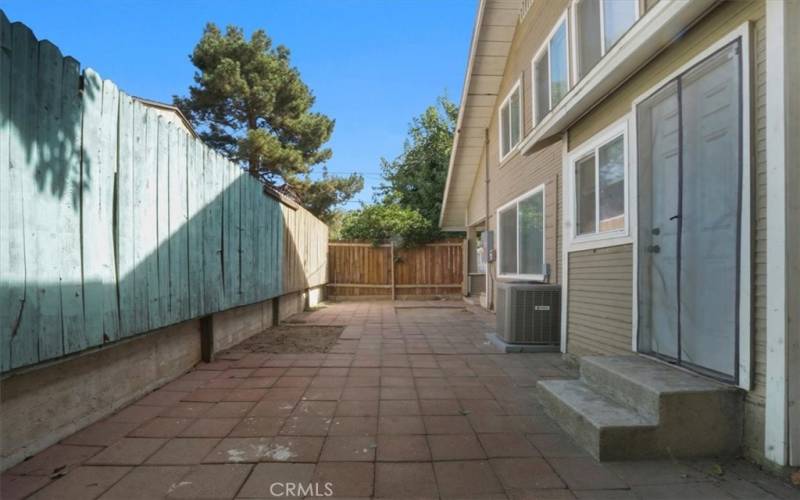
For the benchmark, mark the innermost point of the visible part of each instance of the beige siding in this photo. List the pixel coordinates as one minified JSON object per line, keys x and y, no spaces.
{"x":599,"y":301}
{"x":519,"y":174}
{"x":476,"y":210}
{"x":721,"y":21}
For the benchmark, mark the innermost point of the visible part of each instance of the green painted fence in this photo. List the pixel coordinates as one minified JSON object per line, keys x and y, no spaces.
{"x":115,"y":221}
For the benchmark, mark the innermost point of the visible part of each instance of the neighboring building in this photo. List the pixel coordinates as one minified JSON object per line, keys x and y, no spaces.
{"x":635,"y":152}
{"x":170,"y":113}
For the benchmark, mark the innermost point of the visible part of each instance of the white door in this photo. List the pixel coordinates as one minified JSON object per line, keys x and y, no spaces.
{"x":689,"y":147}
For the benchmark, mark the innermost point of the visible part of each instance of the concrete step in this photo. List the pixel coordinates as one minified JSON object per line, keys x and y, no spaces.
{"x":607,"y":429}
{"x":647,"y":385}
{"x":689,"y":415}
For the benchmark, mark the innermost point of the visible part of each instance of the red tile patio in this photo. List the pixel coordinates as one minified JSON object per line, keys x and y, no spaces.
{"x":412,"y":402}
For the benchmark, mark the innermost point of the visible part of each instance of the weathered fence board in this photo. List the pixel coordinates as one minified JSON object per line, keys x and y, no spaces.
{"x":115,"y":221}
{"x":358,"y":269}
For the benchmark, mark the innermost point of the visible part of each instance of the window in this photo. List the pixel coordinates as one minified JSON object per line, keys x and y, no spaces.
{"x":510,"y":121}
{"x":600,"y":189}
{"x":551,"y":72}
{"x":599,"y":24}
{"x":521,"y":236}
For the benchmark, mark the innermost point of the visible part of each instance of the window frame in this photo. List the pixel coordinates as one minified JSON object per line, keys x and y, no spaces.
{"x":603,"y":49}
{"x":515,"y":202}
{"x":591,"y":147}
{"x":507,"y":101}
{"x":563,"y":19}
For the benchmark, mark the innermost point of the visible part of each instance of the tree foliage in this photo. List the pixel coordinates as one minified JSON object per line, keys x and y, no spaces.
{"x":382,"y":223}
{"x":415,"y":180}
{"x":322,"y":196}
{"x":251,"y":104}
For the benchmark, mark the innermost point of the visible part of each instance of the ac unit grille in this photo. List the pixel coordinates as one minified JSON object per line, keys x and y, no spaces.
{"x":529,"y":314}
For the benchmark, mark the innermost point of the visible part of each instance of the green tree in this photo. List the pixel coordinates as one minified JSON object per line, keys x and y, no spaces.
{"x":416,"y":179}
{"x":322,"y":196}
{"x":251,"y":104}
{"x":382,"y":223}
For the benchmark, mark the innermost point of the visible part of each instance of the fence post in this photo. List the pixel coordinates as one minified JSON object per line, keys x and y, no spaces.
{"x":391,"y":257}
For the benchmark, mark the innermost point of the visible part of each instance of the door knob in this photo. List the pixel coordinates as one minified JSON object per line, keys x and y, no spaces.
{"x":653,"y":248}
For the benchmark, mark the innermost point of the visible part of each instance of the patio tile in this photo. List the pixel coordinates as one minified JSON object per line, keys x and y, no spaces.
{"x":705,"y":491}
{"x":82,"y":483}
{"x":284,"y":393}
{"x":206,"y":395}
{"x":257,"y":427}
{"x":348,"y":449}
{"x":368,"y":408}
{"x":411,"y":480}
{"x":556,"y":446}
{"x":360,"y":394}
{"x":348,"y":479}
{"x":452,"y":424}
{"x":239,"y":450}
{"x":392,"y":407}
{"x":490,"y":423}
{"x":585,"y":474}
{"x":100,"y":434}
{"x":211,"y":482}
{"x":210,"y":427}
{"x":186,"y":409}
{"x":183,"y":451}
{"x":56,"y":458}
{"x":651,"y":472}
{"x":162,"y":398}
{"x":127,"y":451}
{"x":294,"y":449}
{"x":436,"y":393}
{"x":273,"y":408}
{"x":270,"y":480}
{"x":136,"y":414}
{"x":455,"y":447}
{"x":440,"y":407}
{"x":507,"y":444}
{"x":229,"y":409}
{"x":353,"y":426}
{"x":305,"y":426}
{"x":401,"y":425}
{"x":560,"y":494}
{"x":398,"y":393}
{"x":314,"y":409}
{"x":403,"y":448}
{"x":287,"y":381}
{"x":18,"y":487}
{"x":323,"y":394}
{"x":146,"y":483}
{"x":466,"y":479}
{"x":526,"y":473}
{"x":482,"y":406}
{"x":245,"y":395}
{"x":258,"y":383}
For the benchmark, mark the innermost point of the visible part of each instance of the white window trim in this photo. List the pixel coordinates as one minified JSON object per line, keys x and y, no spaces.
{"x":622,"y":236}
{"x":603,"y":49}
{"x":515,"y":201}
{"x":745,"y":299}
{"x":512,"y":147}
{"x":546,"y":45}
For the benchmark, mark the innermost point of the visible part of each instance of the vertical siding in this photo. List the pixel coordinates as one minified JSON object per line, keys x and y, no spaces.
{"x":600,"y":300}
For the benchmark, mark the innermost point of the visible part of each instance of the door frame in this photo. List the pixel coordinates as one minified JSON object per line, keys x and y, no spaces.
{"x":742,"y":32}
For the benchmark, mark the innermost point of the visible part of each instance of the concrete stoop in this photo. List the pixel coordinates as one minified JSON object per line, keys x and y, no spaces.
{"x":631,"y":407}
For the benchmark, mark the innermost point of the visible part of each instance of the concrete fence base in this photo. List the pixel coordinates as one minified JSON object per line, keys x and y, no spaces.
{"x":43,"y":404}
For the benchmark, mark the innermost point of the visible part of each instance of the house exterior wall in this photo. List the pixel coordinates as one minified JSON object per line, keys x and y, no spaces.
{"x":518,"y":174}
{"x":718,"y":23}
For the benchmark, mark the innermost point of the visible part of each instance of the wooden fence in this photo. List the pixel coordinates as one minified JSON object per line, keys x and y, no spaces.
{"x":115,"y":221}
{"x":363,"y":270}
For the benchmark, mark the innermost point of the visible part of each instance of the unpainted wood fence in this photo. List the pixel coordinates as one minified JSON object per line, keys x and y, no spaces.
{"x":359,"y":270}
{"x":114,"y":221}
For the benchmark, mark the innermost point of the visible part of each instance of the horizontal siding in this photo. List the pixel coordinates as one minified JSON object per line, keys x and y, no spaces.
{"x":599,"y":301}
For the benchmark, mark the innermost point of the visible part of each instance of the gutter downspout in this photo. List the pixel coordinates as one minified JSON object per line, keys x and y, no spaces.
{"x":489,"y":262}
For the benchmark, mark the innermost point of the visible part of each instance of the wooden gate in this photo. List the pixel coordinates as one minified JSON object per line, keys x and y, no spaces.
{"x":363,"y":270}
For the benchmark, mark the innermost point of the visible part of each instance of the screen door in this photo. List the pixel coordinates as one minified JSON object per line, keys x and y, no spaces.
{"x":689,"y":207}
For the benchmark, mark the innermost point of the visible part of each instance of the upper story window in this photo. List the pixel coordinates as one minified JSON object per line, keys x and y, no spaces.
{"x":551,"y":71}
{"x":599,"y":188}
{"x":510,"y":121}
{"x":599,"y":24}
{"x":520,"y":240}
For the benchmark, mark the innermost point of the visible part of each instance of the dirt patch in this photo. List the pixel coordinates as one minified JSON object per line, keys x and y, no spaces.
{"x":288,"y":339}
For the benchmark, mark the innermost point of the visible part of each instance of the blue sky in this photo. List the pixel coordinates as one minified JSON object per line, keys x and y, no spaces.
{"x":372,"y":64}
